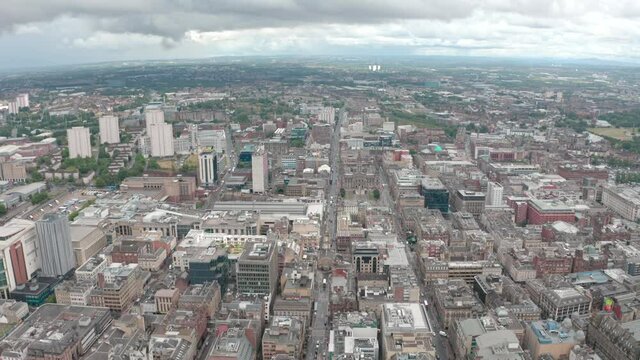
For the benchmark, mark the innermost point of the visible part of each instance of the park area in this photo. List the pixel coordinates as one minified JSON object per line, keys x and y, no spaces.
{"x":623,"y":134}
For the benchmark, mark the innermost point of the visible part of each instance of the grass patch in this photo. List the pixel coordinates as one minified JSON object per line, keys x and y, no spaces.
{"x":622,"y":134}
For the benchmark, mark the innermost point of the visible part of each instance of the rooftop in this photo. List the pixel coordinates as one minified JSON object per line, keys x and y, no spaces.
{"x":408,"y":317}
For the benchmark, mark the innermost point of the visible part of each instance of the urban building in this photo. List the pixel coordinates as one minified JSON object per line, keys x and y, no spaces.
{"x":54,"y":245}
{"x":623,"y":201}
{"x":366,"y":258}
{"x":552,"y":338}
{"x":613,"y":340}
{"x":541,"y":212}
{"x":118,"y":286}
{"x":406,"y":331}
{"x":153,"y":117}
{"x":79,"y":140}
{"x":22,"y":101}
{"x":201,"y":296}
{"x":90,"y":269}
{"x":495,"y":192}
{"x":257,"y":269}
{"x":209,"y":265}
{"x":56,"y":332}
{"x":18,"y":255}
{"x":455,"y":300}
{"x":560,"y":303}
{"x":436,"y":195}
{"x":283,"y":336}
{"x":207,"y":168}
{"x":166,"y":300}
{"x":74,"y":293}
{"x":260,"y":170}
{"x":354,"y":336}
{"x":236,"y":339}
{"x":161,"y":140}
{"x":109,"y":129}
{"x":469,"y":201}
{"x":87,"y":241}
{"x":177,"y":189}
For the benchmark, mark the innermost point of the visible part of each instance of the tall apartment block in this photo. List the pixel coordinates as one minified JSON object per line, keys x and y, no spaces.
{"x":109,"y":129}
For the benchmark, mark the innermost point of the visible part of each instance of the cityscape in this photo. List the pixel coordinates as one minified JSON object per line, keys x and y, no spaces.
{"x":325,"y":207}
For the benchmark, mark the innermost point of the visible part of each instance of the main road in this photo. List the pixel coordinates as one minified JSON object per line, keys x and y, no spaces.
{"x":318,"y":334}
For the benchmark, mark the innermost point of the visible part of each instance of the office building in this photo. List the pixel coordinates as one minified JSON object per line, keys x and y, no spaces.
{"x":118,"y":286}
{"x":406,"y":332}
{"x":354,"y":336}
{"x":455,"y":300}
{"x":257,"y":269}
{"x":495,"y":192}
{"x":469,"y":201}
{"x":260,"y":170}
{"x":109,"y":129}
{"x":560,"y":303}
{"x":366,"y":258}
{"x":161,"y":138}
{"x":622,"y":200}
{"x":79,"y":139}
{"x":86,"y":241}
{"x":208,"y":168}
{"x":284,"y":336}
{"x":436,"y":195}
{"x":89,"y":270}
{"x":541,"y":212}
{"x":18,"y":257}
{"x":54,"y":246}
{"x":209,"y":265}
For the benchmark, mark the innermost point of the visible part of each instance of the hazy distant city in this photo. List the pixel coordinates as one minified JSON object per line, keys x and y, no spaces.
{"x":348,"y":207}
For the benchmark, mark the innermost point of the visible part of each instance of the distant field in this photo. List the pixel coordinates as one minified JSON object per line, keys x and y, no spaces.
{"x":623,"y":134}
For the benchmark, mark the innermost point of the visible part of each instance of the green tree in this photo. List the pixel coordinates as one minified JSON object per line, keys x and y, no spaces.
{"x":39,"y":198}
{"x":35,"y":176}
{"x":153,"y":164}
{"x":343,"y":193}
{"x":3,"y":210}
{"x":376,"y":194}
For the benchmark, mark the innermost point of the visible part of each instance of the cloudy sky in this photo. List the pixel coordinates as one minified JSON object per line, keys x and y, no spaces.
{"x":54,"y":32}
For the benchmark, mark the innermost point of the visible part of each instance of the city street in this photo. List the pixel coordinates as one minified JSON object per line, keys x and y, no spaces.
{"x":319,"y":331}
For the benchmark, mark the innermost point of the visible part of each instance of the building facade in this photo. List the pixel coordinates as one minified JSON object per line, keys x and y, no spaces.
{"x":257,"y":269}
{"x":79,"y":139}
{"x":260,"y":170}
{"x":54,"y":245}
{"x":109,"y":129}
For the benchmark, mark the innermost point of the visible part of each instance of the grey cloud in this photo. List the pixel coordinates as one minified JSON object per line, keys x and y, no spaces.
{"x":172,"y":18}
